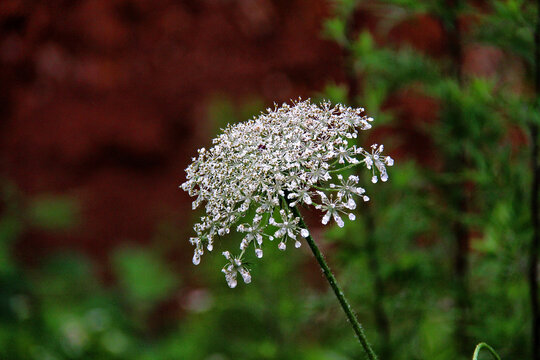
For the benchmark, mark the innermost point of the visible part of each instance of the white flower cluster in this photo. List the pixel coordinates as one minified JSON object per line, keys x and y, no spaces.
{"x":256,"y":169}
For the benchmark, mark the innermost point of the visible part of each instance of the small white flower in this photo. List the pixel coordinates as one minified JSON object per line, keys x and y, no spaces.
{"x":332,"y":206}
{"x":348,"y":189}
{"x":301,"y":195}
{"x":288,"y":229}
{"x":273,"y":162}
{"x":380,"y":162}
{"x":346,"y":154}
{"x":232,"y":268}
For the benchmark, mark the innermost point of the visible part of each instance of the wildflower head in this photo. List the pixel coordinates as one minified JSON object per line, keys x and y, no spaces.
{"x":288,"y":156}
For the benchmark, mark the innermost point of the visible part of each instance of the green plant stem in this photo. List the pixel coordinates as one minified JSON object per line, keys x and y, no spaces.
{"x":486,"y":346}
{"x":359,"y":331}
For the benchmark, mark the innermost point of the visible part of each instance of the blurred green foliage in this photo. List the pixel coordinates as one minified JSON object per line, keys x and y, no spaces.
{"x":415,"y":215}
{"x":143,"y":277}
{"x":395,"y":262}
{"x":53,"y":212}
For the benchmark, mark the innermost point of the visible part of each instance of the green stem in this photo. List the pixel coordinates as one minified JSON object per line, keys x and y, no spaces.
{"x":346,"y":167}
{"x":337,"y":290}
{"x":489,"y":348}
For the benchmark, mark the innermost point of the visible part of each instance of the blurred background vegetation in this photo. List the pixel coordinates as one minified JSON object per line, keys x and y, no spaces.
{"x":105,"y":102}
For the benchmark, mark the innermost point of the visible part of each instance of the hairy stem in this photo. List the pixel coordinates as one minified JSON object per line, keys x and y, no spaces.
{"x":359,"y":331}
{"x":485,"y":346}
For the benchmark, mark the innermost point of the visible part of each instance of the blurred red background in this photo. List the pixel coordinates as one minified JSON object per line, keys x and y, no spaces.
{"x":105,"y":101}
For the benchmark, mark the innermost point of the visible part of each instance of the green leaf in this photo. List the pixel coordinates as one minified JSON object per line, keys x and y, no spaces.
{"x":335,"y":93}
{"x":52,"y":212}
{"x":220,"y":113}
{"x":363,"y":45}
{"x":334,"y":29}
{"x":344,"y":8}
{"x":10,"y":229}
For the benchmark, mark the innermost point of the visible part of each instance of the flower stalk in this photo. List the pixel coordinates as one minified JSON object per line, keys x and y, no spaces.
{"x":357,"y":327}
{"x":257,"y":173}
{"x":483,"y":345}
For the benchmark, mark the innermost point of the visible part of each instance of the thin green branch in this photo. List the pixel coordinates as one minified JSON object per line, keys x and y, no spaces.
{"x":323,"y":188}
{"x":346,"y":167}
{"x":357,"y":327}
{"x":483,"y":345}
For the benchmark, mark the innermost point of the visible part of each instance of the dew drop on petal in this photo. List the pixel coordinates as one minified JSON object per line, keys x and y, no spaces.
{"x":326,"y":218}
{"x":339,"y":220}
{"x":259,"y":253}
{"x":374,"y":179}
{"x":196,"y":259}
{"x":297,"y":244}
{"x":282,"y":246}
{"x":210,"y":247}
{"x":304,"y":233}
{"x":352,"y":216}
{"x":384,"y":177}
{"x":246,"y":276}
{"x":232,"y":283}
